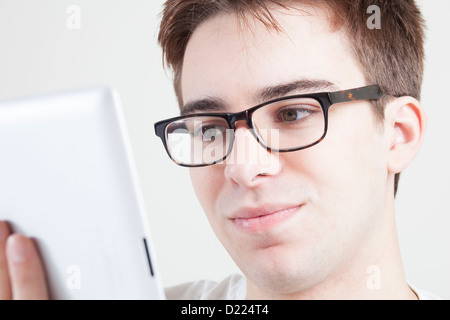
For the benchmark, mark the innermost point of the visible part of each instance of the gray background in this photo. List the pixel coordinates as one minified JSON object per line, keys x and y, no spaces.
{"x":116,"y":45}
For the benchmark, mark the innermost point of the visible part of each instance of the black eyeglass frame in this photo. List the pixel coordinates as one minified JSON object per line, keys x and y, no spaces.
{"x":326,"y":100}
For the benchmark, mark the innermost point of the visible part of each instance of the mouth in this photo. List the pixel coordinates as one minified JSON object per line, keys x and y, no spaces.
{"x":263,"y":218}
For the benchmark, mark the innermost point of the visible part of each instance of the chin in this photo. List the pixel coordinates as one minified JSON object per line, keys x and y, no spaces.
{"x":283,"y":271}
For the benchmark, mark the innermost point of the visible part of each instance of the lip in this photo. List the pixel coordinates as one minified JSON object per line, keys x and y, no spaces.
{"x":263,"y":217}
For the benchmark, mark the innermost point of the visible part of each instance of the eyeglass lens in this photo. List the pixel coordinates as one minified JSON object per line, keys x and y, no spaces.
{"x":281,"y":126}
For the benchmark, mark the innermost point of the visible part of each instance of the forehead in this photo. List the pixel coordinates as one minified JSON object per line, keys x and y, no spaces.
{"x":231,"y":58}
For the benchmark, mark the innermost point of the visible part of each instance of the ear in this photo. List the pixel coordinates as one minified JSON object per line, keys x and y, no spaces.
{"x":406,"y":124}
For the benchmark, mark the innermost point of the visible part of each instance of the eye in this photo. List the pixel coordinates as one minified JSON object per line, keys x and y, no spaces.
{"x":292,"y":114}
{"x":210,"y":133}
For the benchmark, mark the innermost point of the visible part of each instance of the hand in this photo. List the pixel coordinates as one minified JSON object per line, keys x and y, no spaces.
{"x":21,"y":273}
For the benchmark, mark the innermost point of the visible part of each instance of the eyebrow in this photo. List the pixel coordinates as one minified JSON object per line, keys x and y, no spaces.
{"x":299,"y":87}
{"x":213,"y":104}
{"x":208,"y":104}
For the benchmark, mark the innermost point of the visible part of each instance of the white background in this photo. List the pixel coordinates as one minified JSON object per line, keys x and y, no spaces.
{"x":116,"y":45}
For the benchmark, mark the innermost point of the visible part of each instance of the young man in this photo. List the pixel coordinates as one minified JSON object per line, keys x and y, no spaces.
{"x":313,"y":210}
{"x":297,"y":118}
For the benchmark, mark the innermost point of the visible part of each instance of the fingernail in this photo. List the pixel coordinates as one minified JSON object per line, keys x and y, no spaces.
{"x":17,"y":248}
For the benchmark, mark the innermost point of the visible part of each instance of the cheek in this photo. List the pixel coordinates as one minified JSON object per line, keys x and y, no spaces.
{"x":346,"y":172}
{"x":355,"y":145}
{"x":206,"y":182}
{"x":344,"y":175}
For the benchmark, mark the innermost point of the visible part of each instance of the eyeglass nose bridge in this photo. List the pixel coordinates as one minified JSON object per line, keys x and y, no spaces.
{"x":232,"y":118}
{"x":246,"y":116}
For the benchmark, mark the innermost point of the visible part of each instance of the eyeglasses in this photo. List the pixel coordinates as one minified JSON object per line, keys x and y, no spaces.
{"x":281,"y":125}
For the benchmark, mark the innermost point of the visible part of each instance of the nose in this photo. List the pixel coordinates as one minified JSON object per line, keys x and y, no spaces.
{"x":249,"y":163}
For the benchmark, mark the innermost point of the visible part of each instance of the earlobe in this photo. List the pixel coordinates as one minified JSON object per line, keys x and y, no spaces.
{"x":406,"y":121}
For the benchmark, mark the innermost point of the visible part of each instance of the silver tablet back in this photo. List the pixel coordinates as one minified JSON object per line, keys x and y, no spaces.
{"x":67,"y":179}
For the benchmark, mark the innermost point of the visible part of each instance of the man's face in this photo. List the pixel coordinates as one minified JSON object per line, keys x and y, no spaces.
{"x":289,"y":220}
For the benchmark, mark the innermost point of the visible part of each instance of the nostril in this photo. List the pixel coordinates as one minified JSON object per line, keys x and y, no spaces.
{"x":259,"y":176}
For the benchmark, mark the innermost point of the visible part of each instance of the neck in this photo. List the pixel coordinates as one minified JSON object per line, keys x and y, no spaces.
{"x":374,"y":272}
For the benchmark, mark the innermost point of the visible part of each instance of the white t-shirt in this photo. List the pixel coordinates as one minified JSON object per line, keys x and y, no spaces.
{"x":234,"y":287}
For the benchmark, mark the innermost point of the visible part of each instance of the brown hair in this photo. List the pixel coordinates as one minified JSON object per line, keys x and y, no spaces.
{"x":391,"y":56}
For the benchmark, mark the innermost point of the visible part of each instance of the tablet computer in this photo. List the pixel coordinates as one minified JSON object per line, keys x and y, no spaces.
{"x":67,"y":180}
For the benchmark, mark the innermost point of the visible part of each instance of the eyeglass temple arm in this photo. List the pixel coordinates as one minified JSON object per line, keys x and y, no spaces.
{"x":364,"y":93}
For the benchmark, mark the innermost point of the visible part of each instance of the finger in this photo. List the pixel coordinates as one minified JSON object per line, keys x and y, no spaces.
{"x":25,"y":269}
{"x":5,"y":286}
